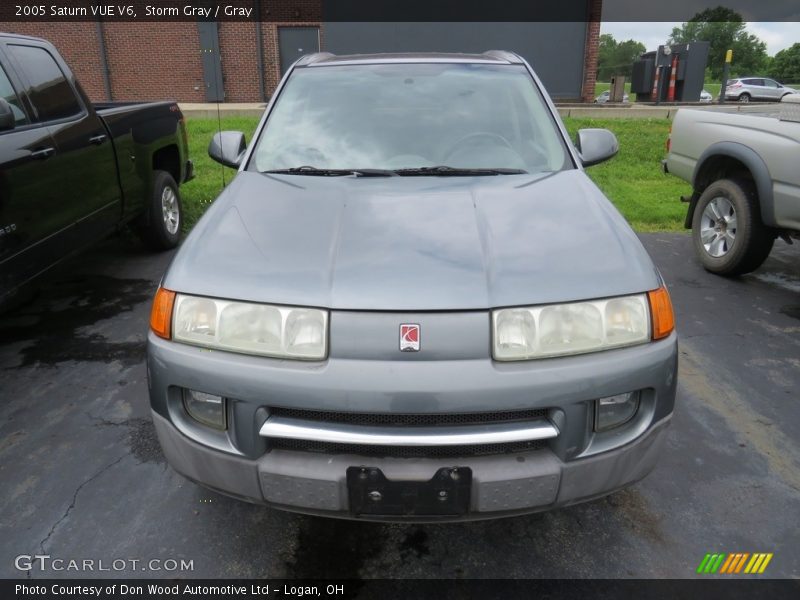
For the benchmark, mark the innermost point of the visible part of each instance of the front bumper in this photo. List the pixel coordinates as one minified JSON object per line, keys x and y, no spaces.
{"x":503,"y":485}
{"x":576,"y":465}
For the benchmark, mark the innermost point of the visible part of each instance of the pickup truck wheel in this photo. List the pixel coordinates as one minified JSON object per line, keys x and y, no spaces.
{"x":729,"y":237}
{"x":744,"y":98}
{"x":161,"y":226}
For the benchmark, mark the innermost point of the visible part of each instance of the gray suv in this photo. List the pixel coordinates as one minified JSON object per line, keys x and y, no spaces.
{"x":761,"y":89}
{"x":411,"y":303}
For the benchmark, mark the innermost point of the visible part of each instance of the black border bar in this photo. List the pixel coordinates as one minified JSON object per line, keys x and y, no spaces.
{"x":287,"y":11}
{"x":730,"y":588}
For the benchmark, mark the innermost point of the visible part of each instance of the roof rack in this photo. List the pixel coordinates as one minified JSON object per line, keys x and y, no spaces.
{"x":309,"y":59}
{"x":504,"y":55}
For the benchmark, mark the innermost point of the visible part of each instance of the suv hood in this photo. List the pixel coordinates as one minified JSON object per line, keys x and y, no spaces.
{"x":412,"y":243}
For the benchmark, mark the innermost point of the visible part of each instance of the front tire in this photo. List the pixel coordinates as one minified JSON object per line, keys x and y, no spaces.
{"x":729,"y":237}
{"x":160,"y":227}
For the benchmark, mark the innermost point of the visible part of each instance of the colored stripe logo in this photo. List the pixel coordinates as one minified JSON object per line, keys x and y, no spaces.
{"x":735,"y":563}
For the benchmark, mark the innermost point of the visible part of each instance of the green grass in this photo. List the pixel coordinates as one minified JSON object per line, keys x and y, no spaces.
{"x":632,"y":180}
{"x":201,"y":191}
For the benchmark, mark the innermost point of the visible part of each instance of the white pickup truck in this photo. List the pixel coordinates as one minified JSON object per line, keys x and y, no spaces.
{"x":744,"y":167}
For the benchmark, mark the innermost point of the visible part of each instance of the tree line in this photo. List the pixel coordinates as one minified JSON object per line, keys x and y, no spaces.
{"x":724,"y":29}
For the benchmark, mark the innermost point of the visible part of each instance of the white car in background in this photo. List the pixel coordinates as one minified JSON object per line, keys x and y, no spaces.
{"x":706,"y":97}
{"x":745,"y":89}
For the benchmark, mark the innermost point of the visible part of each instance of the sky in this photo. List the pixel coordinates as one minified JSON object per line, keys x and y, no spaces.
{"x":777,"y":35}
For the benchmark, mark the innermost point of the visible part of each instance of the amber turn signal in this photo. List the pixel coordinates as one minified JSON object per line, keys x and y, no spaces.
{"x":661,"y":313}
{"x":161,"y":315}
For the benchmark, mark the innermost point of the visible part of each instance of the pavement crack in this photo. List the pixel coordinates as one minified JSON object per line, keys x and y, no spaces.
{"x":711,"y":335}
{"x":101,"y":422}
{"x":75,"y":499}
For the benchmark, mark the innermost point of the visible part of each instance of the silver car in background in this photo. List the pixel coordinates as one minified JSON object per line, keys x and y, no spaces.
{"x":411,"y":303}
{"x":745,"y":89}
{"x":605,"y":97}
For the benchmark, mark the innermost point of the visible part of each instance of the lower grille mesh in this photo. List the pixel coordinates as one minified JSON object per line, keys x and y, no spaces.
{"x":406,"y":451}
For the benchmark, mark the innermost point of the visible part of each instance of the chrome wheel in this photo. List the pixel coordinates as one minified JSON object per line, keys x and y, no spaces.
{"x":169,"y":209}
{"x":718,"y":227}
{"x":744,"y":98}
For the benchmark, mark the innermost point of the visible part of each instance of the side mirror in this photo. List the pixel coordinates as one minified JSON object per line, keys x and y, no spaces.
{"x":228,"y":147}
{"x":596,"y":145}
{"x":7,"y":120}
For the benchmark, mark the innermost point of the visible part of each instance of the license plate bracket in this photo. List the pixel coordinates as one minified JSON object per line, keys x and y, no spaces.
{"x":447,"y":493}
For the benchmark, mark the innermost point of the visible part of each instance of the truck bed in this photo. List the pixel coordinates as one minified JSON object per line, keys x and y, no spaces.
{"x":137,"y":123}
{"x":756,"y":110}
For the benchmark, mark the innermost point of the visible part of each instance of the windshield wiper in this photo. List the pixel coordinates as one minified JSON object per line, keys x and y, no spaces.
{"x":309,"y":170}
{"x":444,"y":170}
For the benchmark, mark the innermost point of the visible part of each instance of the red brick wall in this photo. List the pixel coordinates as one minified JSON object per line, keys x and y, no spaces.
{"x":155,"y":61}
{"x":161,"y":60}
{"x":238,"y":48}
{"x":592,"y":49}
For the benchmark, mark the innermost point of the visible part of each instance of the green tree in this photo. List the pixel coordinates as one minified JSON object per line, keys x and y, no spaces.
{"x":616,"y":58}
{"x":785,"y":66}
{"x":724,"y":29}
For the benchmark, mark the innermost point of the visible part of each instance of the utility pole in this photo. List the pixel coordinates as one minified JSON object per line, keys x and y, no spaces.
{"x":725,"y":70}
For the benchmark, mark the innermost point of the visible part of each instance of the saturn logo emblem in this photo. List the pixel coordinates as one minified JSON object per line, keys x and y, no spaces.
{"x":409,"y":337}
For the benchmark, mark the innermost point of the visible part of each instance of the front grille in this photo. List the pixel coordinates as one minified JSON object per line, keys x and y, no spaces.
{"x":411,"y":420}
{"x":406,"y":451}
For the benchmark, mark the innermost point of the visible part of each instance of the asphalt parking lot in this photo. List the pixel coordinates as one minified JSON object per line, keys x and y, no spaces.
{"x":83,"y":477}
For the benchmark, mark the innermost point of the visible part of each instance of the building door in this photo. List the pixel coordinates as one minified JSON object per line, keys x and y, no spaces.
{"x":212,"y":64}
{"x":294,"y":42}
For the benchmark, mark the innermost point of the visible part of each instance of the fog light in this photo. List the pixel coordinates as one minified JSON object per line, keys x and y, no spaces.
{"x":207,"y":409}
{"x":615,"y":410}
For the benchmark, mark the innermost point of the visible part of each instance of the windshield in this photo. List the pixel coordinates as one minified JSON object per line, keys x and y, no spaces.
{"x":411,"y":116}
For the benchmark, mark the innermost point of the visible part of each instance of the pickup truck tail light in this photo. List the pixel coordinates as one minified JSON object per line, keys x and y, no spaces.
{"x":661,"y":313}
{"x":669,"y":139}
{"x":161,"y":313}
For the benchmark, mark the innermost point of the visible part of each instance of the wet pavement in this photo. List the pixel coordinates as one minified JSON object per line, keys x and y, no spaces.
{"x":83,"y":476}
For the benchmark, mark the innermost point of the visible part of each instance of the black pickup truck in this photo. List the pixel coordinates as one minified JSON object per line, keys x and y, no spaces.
{"x":72,"y":172}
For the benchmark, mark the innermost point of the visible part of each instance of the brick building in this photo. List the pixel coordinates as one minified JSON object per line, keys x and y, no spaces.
{"x":242,"y":61}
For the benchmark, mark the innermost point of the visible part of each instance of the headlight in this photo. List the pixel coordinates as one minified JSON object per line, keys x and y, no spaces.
{"x":262,"y":329}
{"x":575,"y":328}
